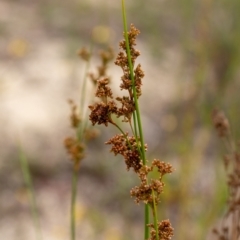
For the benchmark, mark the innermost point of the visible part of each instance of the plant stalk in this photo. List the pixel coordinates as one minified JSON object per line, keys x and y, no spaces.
{"x":32,"y":198}
{"x":73,"y":202}
{"x":139,"y":124}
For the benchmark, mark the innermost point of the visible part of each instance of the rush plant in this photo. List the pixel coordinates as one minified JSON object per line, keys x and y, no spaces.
{"x":228,"y":228}
{"x":131,"y":145}
{"x":75,"y":145}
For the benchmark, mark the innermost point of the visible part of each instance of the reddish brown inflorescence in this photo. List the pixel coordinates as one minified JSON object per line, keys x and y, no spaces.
{"x":108,"y":107}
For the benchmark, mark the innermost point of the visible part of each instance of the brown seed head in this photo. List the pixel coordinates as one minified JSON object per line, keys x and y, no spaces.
{"x":74,"y":117}
{"x":74,"y":148}
{"x":165,"y":230}
{"x":221,"y":123}
{"x":84,"y":54}
{"x":163,"y":168}
{"x":101,"y":113}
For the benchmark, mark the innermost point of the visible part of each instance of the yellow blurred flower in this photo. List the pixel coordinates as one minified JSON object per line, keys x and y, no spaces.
{"x":17,"y":48}
{"x":101,"y":34}
{"x":112,"y":234}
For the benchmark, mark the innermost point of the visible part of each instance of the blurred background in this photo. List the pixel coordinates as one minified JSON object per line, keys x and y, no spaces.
{"x":190,"y":54}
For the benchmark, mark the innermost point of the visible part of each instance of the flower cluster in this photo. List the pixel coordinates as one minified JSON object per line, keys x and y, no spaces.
{"x":106,"y":57}
{"x":130,"y":147}
{"x":220,"y":123}
{"x":127,"y":147}
{"x":74,"y":147}
{"x":229,"y":225}
{"x":147,"y":191}
{"x":165,"y":230}
{"x":101,"y":112}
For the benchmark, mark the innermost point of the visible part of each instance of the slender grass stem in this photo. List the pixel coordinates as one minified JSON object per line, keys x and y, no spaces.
{"x":79,"y":134}
{"x":137,"y":124}
{"x":73,"y":202}
{"x":155,"y":217}
{"x":124,"y":134}
{"x":138,"y":117}
{"x":83,"y":89}
{"x":138,"y":128}
{"x":83,"y":126}
{"x":31,"y":194}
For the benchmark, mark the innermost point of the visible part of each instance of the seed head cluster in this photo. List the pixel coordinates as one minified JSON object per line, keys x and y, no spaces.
{"x":165,"y":230}
{"x":120,"y":106}
{"x":106,"y":57}
{"x":230,"y":227}
{"x":144,"y":192}
{"x":75,"y":148}
{"x":108,"y":108}
{"x":220,"y":123}
{"x":127,"y":147}
{"x":75,"y":145}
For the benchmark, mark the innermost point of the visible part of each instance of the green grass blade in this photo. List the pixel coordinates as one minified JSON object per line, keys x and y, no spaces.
{"x":73,"y":203}
{"x":31,"y":194}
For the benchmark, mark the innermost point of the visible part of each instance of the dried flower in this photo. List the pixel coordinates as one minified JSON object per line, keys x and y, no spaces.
{"x":232,"y":167}
{"x":103,"y":90}
{"x":74,"y":117}
{"x":74,"y":148}
{"x":220,"y":123}
{"x":127,"y":147}
{"x":101,"y":113}
{"x":165,"y":230}
{"x":162,"y":167}
{"x":122,"y":61}
{"x":84,"y":54}
{"x":105,"y":56}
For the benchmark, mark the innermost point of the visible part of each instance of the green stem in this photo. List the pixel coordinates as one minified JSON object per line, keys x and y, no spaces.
{"x":83,"y":90}
{"x":146,"y":228}
{"x":83,"y":126}
{"x":155,"y":217}
{"x":73,"y":203}
{"x":28,"y":182}
{"x":124,"y":134}
{"x":139,"y":123}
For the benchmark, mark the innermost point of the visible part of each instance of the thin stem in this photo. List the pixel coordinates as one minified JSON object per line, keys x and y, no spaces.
{"x":73,"y":203}
{"x":83,"y":90}
{"x":79,"y":134}
{"x":28,"y":182}
{"x":155,"y":217}
{"x":147,"y":220}
{"x":138,"y":122}
{"x":82,"y":127}
{"x":124,"y":134}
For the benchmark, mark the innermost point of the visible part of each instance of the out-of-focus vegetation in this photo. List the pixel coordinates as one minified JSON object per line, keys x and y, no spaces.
{"x":204,"y":36}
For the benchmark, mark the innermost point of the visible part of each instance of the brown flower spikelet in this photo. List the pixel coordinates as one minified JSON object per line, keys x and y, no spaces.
{"x":105,"y":56}
{"x":127,"y":147}
{"x":84,"y":54}
{"x":75,"y":149}
{"x":220,"y":122}
{"x":103,"y":90}
{"x":229,"y":226}
{"x":165,"y":230}
{"x":122,"y":61}
{"x":101,"y":113}
{"x":74,"y":117}
{"x":163,"y":168}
